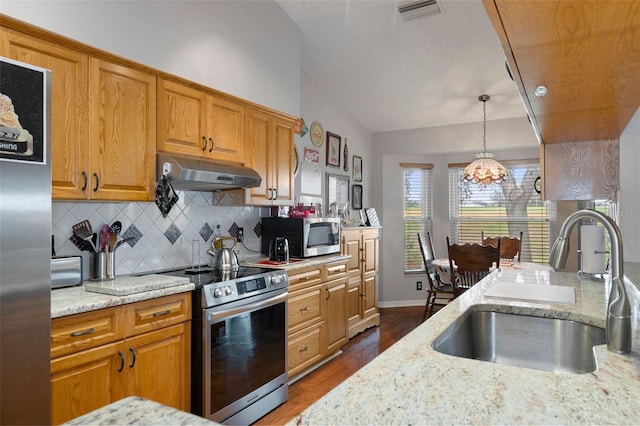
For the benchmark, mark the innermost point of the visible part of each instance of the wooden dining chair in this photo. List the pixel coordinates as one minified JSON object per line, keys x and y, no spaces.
{"x":472,"y":263}
{"x":438,"y":294}
{"x":510,"y":247}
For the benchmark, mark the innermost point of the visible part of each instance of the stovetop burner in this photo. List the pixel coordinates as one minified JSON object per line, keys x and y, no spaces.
{"x":210,"y":276}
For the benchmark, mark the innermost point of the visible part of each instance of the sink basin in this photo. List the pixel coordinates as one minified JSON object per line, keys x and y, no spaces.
{"x":549,"y":344}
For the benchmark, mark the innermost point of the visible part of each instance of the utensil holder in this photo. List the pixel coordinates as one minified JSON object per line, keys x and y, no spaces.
{"x":103,"y":266}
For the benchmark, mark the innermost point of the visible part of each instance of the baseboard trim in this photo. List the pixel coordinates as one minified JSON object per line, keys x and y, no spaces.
{"x":401,"y":303}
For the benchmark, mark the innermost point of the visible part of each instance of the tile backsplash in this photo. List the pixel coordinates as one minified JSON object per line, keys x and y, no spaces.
{"x":157,"y":242}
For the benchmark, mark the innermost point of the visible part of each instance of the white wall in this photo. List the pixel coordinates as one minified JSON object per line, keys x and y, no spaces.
{"x":318,"y":105}
{"x":250,"y":49}
{"x":509,"y":139}
{"x":630,"y":189}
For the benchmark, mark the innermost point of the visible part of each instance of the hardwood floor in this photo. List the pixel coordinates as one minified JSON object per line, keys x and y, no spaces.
{"x":395,"y":323}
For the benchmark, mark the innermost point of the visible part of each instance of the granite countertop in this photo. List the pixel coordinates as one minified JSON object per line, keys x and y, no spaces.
{"x":410,"y":383}
{"x":138,"y":411}
{"x":294,"y":264}
{"x":120,"y":291}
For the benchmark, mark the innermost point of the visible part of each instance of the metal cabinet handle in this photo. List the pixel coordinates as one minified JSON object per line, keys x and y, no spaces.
{"x":121,"y":355}
{"x":275,"y":191}
{"x":204,"y":143}
{"x":133,"y":357}
{"x":162,"y":313}
{"x":83,"y":332}
{"x":211,"y":140}
{"x":86,"y":180}
{"x":328,"y":294}
{"x":95,"y":188}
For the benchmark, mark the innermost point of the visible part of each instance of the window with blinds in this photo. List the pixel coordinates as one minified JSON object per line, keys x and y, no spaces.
{"x":503,"y":210}
{"x":418,"y":211}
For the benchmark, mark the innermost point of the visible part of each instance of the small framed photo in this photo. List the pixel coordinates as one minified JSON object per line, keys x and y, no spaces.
{"x":356,"y":197}
{"x":357,"y":168}
{"x":333,"y":149}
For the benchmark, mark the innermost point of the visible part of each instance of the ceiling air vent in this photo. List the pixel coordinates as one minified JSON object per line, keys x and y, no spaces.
{"x":415,"y":9}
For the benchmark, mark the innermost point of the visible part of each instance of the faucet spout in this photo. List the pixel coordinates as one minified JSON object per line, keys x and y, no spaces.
{"x":618,"y":321}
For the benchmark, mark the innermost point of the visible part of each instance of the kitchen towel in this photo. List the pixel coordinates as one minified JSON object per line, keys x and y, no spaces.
{"x":592,"y":253}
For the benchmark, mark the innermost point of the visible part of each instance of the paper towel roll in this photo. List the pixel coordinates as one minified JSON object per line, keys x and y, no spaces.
{"x":592,"y":249}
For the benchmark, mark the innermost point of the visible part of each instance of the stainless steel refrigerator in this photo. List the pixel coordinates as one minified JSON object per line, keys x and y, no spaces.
{"x":25,"y":244}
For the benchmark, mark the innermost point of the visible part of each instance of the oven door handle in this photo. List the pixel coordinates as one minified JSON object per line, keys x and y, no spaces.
{"x":212,"y":316}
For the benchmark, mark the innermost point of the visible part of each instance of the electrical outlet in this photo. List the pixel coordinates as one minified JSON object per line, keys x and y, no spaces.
{"x":418,"y":285}
{"x":240,"y":236}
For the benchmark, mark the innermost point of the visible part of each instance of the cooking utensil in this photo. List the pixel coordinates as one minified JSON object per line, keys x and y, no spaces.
{"x":122,"y":241}
{"x":84,"y":231}
{"x":224,"y":258}
{"x":113,"y":240}
{"x":104,"y":237}
{"x":116,"y":227}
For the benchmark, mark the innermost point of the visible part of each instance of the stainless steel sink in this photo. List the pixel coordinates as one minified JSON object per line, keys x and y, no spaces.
{"x":548,"y":344}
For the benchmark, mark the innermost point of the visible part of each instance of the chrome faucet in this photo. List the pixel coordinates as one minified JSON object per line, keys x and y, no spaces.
{"x":618,"y":321}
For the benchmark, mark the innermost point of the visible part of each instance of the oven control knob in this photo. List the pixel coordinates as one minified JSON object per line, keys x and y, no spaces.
{"x":227,"y":291}
{"x":217,"y":292}
{"x":276,"y":279}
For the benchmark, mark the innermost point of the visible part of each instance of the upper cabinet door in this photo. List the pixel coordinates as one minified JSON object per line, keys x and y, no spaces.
{"x":122,"y":126}
{"x":225,"y":130}
{"x":257,"y":132}
{"x":284,"y":159}
{"x":69,"y":121}
{"x":181,"y":119}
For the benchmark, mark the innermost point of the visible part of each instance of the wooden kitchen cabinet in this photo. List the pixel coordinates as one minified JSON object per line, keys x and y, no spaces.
{"x":198,"y":123}
{"x":102,"y":117}
{"x":269,"y":145}
{"x":362,"y":298}
{"x":69,"y":107}
{"x":147,"y":354}
{"x":317,"y":322}
{"x":122,"y":132}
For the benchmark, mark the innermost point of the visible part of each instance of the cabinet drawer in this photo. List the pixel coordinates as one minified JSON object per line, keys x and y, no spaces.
{"x":304,"y":278}
{"x":332,"y":271}
{"x":74,"y":333}
{"x":304,"y":307}
{"x":304,"y":349}
{"x":157,"y":313}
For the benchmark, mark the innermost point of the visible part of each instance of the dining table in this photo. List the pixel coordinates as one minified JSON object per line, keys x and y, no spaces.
{"x":443,"y":269}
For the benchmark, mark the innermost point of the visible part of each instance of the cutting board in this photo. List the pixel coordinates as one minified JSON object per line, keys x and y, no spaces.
{"x":124,"y":286}
{"x":531,"y":292}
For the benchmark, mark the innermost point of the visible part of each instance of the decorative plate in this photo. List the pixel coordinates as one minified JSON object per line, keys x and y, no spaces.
{"x":316,"y":133}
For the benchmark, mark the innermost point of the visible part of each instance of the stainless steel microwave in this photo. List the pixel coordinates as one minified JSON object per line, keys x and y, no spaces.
{"x":307,"y":236}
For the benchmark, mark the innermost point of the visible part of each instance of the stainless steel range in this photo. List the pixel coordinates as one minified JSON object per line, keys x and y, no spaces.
{"x":239,"y":343}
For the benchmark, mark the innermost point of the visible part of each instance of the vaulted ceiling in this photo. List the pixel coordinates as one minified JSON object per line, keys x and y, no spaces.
{"x":394,"y":74}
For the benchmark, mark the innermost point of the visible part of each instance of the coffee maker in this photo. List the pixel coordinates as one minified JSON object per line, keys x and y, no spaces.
{"x":279,"y":250}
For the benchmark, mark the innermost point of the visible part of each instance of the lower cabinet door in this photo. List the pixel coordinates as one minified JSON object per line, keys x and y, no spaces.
{"x":158,"y":366}
{"x":87,"y":380}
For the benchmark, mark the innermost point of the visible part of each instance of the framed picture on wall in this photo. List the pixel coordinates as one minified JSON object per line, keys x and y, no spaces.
{"x":333,"y":149}
{"x":356,"y":197}
{"x":357,"y":168}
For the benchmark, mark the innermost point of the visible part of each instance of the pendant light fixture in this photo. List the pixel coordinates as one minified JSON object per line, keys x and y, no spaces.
{"x":485,"y":170}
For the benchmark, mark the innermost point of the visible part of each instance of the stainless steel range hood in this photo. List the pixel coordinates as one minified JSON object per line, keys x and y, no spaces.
{"x":197,"y":174}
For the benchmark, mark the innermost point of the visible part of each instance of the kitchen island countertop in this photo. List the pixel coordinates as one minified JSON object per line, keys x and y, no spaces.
{"x":410,"y":383}
{"x":138,"y":411}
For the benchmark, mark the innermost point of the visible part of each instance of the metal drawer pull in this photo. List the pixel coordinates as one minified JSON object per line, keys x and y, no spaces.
{"x":133,"y":354}
{"x":306,"y":308}
{"x":162,"y":313}
{"x":121,"y":355}
{"x":306,"y":348}
{"x":83,"y":332}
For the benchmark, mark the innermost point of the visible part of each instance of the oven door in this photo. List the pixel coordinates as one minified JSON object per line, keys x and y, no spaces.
{"x":245,"y":358}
